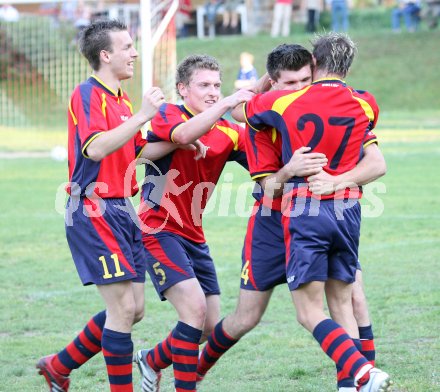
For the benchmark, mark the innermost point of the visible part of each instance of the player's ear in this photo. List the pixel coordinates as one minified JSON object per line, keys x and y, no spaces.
{"x":182,"y":89}
{"x":104,"y":56}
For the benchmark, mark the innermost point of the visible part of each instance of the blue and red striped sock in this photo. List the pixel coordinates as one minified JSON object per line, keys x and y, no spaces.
{"x":368,"y":349}
{"x":86,"y":345}
{"x":344,"y":379}
{"x":117,"y":348}
{"x":339,"y":347}
{"x":160,"y":356}
{"x":185,"y":352}
{"x":218,"y":343}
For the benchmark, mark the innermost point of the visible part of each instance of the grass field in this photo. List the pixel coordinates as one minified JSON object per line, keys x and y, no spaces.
{"x":43,"y":305}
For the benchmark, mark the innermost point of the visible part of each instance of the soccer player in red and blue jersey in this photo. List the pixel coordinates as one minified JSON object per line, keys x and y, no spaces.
{"x":322,"y":232}
{"x":173,"y":201}
{"x":263,"y":263}
{"x":104,"y":142}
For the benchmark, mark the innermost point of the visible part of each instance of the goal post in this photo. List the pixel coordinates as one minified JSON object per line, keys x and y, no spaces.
{"x":158,"y":45}
{"x":40,"y":64}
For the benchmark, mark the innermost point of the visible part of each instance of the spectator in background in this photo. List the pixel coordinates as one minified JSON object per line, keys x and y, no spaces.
{"x":247,"y":75}
{"x":8,"y":13}
{"x":282,"y":14}
{"x":314,"y":8}
{"x":339,"y":14}
{"x":410,"y":10}
{"x":52,"y":10}
{"x":432,"y":13}
{"x":83,"y":16}
{"x":68,"y":11}
{"x":183,"y":17}
{"x":211,"y":9}
{"x":230,"y":16}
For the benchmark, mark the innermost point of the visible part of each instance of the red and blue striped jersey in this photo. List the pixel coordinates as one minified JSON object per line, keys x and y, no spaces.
{"x":178,"y":187}
{"x":264,"y":158}
{"x":95,"y":108}
{"x":328,"y":116}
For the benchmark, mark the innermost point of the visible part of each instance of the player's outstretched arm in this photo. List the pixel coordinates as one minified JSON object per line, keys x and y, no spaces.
{"x":157,"y":150}
{"x":198,"y":125}
{"x":260,"y":86}
{"x":371,"y":167}
{"x":302,"y":164}
{"x":112,"y":140}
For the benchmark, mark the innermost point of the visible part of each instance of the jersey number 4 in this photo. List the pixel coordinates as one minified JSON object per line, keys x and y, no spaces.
{"x":245,"y":272}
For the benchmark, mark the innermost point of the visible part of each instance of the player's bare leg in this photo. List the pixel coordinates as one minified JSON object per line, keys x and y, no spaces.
{"x":212,"y":315}
{"x":247,"y":315}
{"x":189,"y":300}
{"x":338,"y":296}
{"x":139,"y":297}
{"x":341,"y":311}
{"x":362,"y":316}
{"x":308,"y":300}
{"x":250,"y":308}
{"x":117,"y":345}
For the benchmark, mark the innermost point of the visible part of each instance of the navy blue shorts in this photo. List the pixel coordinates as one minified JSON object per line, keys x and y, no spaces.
{"x":264,"y":253}
{"x":105,"y":241}
{"x":172,"y":259}
{"x":322,"y":240}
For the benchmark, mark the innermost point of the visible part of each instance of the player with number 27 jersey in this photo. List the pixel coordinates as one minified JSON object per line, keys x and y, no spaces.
{"x":340,"y":136}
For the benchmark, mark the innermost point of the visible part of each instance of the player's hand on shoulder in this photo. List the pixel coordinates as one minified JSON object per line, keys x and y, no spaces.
{"x":262,"y":85}
{"x":152,"y":101}
{"x":304,"y":163}
{"x":238,"y":97}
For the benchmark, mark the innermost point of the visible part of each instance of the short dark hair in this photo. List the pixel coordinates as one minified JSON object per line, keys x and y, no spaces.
{"x":334,"y":53}
{"x":95,"y":37}
{"x":191,"y":63}
{"x":287,"y":57}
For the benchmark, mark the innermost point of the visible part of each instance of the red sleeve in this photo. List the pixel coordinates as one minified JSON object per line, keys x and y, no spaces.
{"x":166,"y":120}
{"x":241,"y":144}
{"x":254,"y":107}
{"x":86,"y":109}
{"x":259,"y":111}
{"x":139,"y":143}
{"x":263,"y":150}
{"x":371,"y":101}
{"x":371,"y":109}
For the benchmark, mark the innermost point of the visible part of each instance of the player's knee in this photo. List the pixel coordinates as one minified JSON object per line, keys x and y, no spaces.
{"x":304,"y":320}
{"x":251,"y":320}
{"x":198,"y":312}
{"x":245,"y":321}
{"x":124,"y":314}
{"x":138,"y":315}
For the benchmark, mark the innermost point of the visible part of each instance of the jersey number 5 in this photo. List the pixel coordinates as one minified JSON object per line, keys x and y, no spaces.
{"x":159,"y":272}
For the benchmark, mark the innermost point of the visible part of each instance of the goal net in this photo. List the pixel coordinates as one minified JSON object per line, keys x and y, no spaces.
{"x":40,"y":64}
